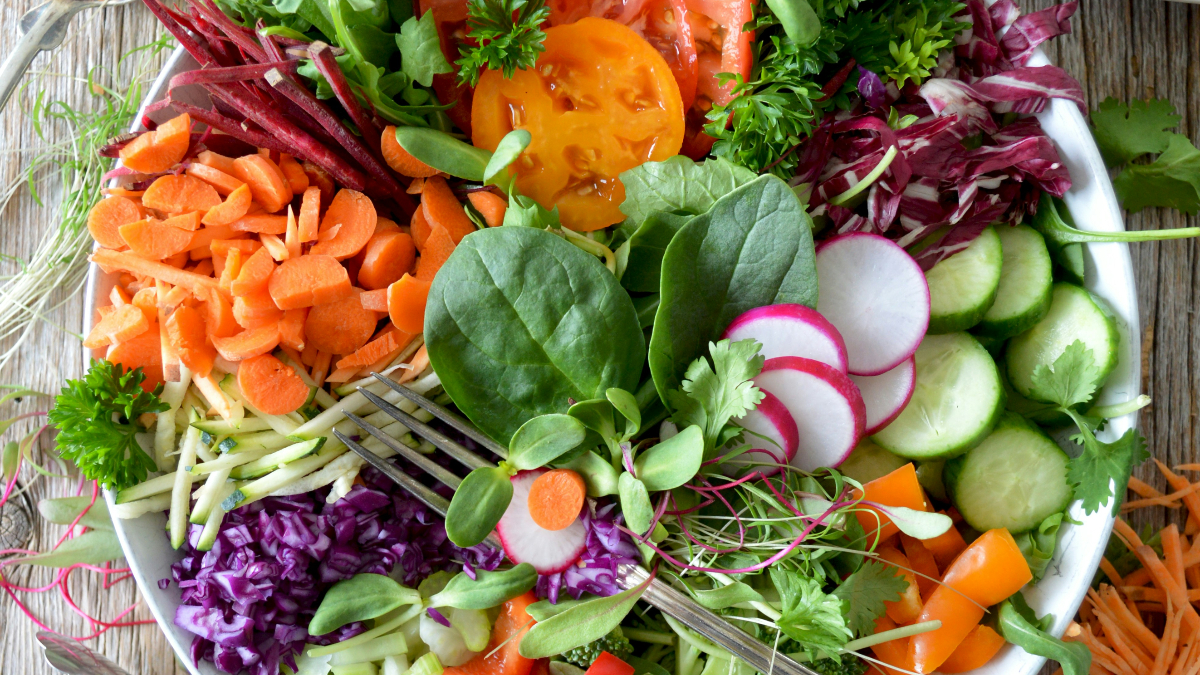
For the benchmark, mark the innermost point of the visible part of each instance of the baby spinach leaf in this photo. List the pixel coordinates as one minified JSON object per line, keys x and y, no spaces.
{"x":360,"y":598}
{"x":583,"y":623}
{"x":1074,"y":657}
{"x":420,"y":52}
{"x":487,"y":589}
{"x":444,"y":152}
{"x":753,"y":248}
{"x":673,"y":462}
{"x":679,"y":185}
{"x":520,"y":322}
{"x":646,"y":307}
{"x":478,"y":504}
{"x":599,"y":475}
{"x":635,"y":503}
{"x":544,"y":439}
{"x":646,"y":248}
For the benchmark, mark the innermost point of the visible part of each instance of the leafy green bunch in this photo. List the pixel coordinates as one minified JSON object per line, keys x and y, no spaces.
{"x":1128,"y":135}
{"x":97,"y":422}
{"x":506,"y":35}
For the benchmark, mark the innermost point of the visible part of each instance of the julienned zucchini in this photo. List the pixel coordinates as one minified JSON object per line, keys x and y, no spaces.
{"x":1074,"y":315}
{"x":957,"y":399}
{"x":963,"y":286}
{"x":1015,"y":478}
{"x":276,"y":460}
{"x":1026,"y":282}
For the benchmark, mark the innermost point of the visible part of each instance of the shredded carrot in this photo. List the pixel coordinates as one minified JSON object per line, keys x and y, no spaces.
{"x":1142,"y":488}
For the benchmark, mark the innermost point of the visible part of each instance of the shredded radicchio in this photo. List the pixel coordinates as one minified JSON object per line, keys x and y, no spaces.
{"x":595,"y":572}
{"x":966,"y":159}
{"x":249,"y":600}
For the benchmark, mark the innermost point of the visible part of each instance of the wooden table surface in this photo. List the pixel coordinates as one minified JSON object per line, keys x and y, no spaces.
{"x":1122,"y":48}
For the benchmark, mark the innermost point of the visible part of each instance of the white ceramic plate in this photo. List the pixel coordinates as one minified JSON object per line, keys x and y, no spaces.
{"x":1094,"y":207}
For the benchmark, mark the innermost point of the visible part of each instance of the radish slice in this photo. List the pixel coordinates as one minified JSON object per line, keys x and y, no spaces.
{"x":791,"y":330}
{"x":549,"y":551}
{"x":886,"y":395}
{"x":827,"y":408}
{"x":876,"y":295}
{"x":772,"y":434}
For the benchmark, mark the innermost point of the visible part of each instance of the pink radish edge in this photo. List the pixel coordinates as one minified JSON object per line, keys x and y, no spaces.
{"x":526,"y":541}
{"x":772,"y":420}
{"x":875,"y":389}
{"x":817,"y":421}
{"x":743,"y":327}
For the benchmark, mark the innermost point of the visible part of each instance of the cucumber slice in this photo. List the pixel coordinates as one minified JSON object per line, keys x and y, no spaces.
{"x":963,"y":286}
{"x":1074,"y":315}
{"x":868,"y":461}
{"x":1026,"y":280}
{"x":1015,"y":478}
{"x":929,"y":475}
{"x":957,"y":400}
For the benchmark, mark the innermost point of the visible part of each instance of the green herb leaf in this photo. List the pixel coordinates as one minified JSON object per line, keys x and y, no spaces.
{"x":1125,"y":132}
{"x":544,"y":439}
{"x":1071,"y":380}
{"x":753,"y":248}
{"x":524,"y":212}
{"x":811,"y":617}
{"x":1172,"y":180}
{"x":420,"y":51}
{"x":360,"y":598}
{"x":579,"y":625}
{"x":487,"y":590}
{"x":1038,"y":544}
{"x":714,"y":394}
{"x":679,"y":186}
{"x":506,"y":35}
{"x":478,"y":504}
{"x":64,"y":511}
{"x":97,"y":422}
{"x":95,"y":547}
{"x":728,"y":596}
{"x":444,"y":152}
{"x":599,"y":475}
{"x":635,"y":503}
{"x":1074,"y":657}
{"x":507,"y":152}
{"x":626,"y":404}
{"x":673,"y":462}
{"x":864,"y":592}
{"x":596,"y":414}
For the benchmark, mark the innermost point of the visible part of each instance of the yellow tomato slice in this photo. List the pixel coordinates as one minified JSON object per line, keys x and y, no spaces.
{"x":599,"y":101}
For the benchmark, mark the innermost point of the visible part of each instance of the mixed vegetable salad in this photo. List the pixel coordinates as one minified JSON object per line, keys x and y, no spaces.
{"x":776,"y":300}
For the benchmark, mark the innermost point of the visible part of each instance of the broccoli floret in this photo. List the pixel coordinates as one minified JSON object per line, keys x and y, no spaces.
{"x":850,"y":665}
{"x":614,"y":643}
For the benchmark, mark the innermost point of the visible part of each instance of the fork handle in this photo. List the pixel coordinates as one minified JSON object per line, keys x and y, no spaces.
{"x":688,"y":612}
{"x":45,"y":31}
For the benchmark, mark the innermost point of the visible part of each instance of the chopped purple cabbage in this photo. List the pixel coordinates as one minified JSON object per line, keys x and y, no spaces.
{"x":871,"y":88}
{"x":595,"y":572}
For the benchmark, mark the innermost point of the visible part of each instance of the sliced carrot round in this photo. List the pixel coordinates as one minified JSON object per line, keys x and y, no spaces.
{"x":389,"y":256}
{"x":222,"y":181}
{"x":266,"y":181}
{"x":108,"y":215}
{"x":159,"y":150}
{"x":155,"y":240}
{"x":254,"y":274}
{"x":400,"y":160}
{"x":438,"y":248}
{"x":294,"y":174}
{"x":143,"y":351}
{"x":442,"y":208}
{"x":180,"y":194}
{"x":235,"y":206}
{"x":354,"y":215}
{"x":420,"y":229}
{"x":406,"y":301}
{"x":309,"y":280}
{"x":339,"y":327}
{"x":186,"y":333}
{"x":555,"y":498}
{"x":248,"y":343}
{"x":490,"y":206}
{"x":123,"y":323}
{"x":256,"y":310}
{"x":221,"y":321}
{"x":270,"y":385}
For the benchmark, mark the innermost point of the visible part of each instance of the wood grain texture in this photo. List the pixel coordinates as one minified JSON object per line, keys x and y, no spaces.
{"x":1121,"y":48}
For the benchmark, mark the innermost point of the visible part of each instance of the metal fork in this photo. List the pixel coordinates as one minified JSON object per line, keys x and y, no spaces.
{"x":658,"y":593}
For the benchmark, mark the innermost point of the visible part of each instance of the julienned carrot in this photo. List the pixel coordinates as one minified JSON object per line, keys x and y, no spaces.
{"x":266,"y":181}
{"x":108,"y":215}
{"x":221,"y":321}
{"x":438,"y":248}
{"x":980,"y":645}
{"x":215,"y":160}
{"x":1142,"y":488}
{"x":320,"y":366}
{"x":159,"y":150}
{"x":119,"y":296}
{"x":387,"y":342}
{"x":261,"y":223}
{"x":123,"y":323}
{"x":172,"y":367}
{"x":354,"y":215}
{"x":275,"y":247}
{"x":204,"y":237}
{"x":310,"y":214}
{"x":556,"y":498}
{"x":420,"y":229}
{"x":375,"y":300}
{"x":221,"y":247}
{"x":1177,"y":482}
{"x":946,"y":547}
{"x":1176,"y":593}
{"x":309,"y":280}
{"x":389,"y":256}
{"x":186,"y":333}
{"x":254,"y":274}
{"x":292,"y":237}
{"x":154,"y":240}
{"x":320,"y":178}
{"x":143,"y":351}
{"x":898,"y":488}
{"x":256,"y":310}
{"x":1173,"y":553}
{"x":340,"y":327}
{"x":222,"y":181}
{"x":270,"y":385}
{"x":187,"y":221}
{"x":442,"y":208}
{"x":406,"y":300}
{"x":180,"y":194}
{"x":490,"y":206}
{"x":291,"y":328}
{"x":128,"y":262}
{"x":399,"y":159}
{"x":907,"y":609}
{"x":234,"y":207}
{"x":248,"y":343}
{"x":294,"y":174}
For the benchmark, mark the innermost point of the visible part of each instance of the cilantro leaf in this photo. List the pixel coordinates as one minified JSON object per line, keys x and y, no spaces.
{"x":714,"y":394}
{"x":97,"y":421}
{"x":506,"y":35}
{"x":1101,"y":463}
{"x":1070,"y":381}
{"x":811,"y":617}
{"x":1172,"y":180}
{"x":864,"y":592}
{"x":1124,"y":132}
{"x":420,"y":51}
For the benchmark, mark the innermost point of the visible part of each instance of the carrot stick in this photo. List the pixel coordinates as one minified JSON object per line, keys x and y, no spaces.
{"x":292,"y":236}
{"x":1143,"y":489}
{"x":1127,"y":535}
{"x":117,"y":296}
{"x":1121,"y":613}
{"x":260,"y":223}
{"x":204,"y":237}
{"x":1173,"y":553}
{"x":1177,"y":482}
{"x":321,"y":367}
{"x":273,"y":245}
{"x":291,"y":330}
{"x":128,"y":262}
{"x":1165,"y":500}
{"x":1111,"y":572}
{"x":1169,"y":644}
{"x":310,"y":214}
{"x":1164,"y":580}
{"x":1124,"y":645}
{"x":270,"y":385}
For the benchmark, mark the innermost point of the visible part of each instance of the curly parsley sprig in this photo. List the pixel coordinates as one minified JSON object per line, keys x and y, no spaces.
{"x":506,"y":36}
{"x":97,"y":421}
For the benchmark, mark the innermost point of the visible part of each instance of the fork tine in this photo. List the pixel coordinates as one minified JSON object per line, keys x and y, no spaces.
{"x":458,"y":452}
{"x":460,"y":424}
{"x":427,"y":465}
{"x":423,"y":494}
